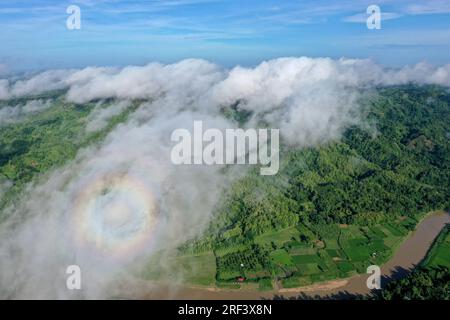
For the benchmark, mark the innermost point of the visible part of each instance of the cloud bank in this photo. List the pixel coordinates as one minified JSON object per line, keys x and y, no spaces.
{"x":101,"y":115}
{"x":124,"y":200}
{"x":17,"y":113}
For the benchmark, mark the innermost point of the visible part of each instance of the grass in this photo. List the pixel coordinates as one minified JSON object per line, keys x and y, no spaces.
{"x":377,"y":232}
{"x":334,"y":253}
{"x":195,"y":269}
{"x":281,"y":257}
{"x":303,"y":250}
{"x":305,"y":259}
{"x":309,"y":269}
{"x":199,"y":269}
{"x":331,"y":243}
{"x":439,"y":253}
{"x":231,"y":249}
{"x":295,"y":281}
{"x":265,"y":284}
{"x":344,"y":266}
{"x":395,"y":231}
{"x":277,"y":237}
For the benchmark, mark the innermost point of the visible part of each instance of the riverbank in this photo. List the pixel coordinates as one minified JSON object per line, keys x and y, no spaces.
{"x":408,"y":255}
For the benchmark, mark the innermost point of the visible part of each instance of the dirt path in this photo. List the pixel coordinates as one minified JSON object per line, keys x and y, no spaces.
{"x":407,"y":256}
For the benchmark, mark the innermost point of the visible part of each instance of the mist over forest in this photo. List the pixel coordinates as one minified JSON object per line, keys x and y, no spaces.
{"x":86,"y":177}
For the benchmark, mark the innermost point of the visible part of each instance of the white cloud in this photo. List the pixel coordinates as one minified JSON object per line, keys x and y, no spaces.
{"x":13,"y":114}
{"x":99,"y":118}
{"x":42,"y":82}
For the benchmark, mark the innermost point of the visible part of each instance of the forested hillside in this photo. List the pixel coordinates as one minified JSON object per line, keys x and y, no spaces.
{"x":333,"y":210}
{"x":44,"y":140}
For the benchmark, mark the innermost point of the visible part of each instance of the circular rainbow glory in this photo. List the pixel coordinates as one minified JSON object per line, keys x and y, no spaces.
{"x":115,"y":215}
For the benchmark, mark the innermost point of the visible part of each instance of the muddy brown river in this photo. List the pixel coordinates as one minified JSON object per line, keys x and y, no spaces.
{"x":408,"y":255}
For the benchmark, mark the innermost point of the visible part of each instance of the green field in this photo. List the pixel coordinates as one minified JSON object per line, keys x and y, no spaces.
{"x":198,"y":269}
{"x":281,"y":257}
{"x":295,"y":263}
{"x":277,"y":237}
{"x":439,"y":254}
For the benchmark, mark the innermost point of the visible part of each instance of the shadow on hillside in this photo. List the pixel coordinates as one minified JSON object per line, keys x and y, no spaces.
{"x":397,"y":273}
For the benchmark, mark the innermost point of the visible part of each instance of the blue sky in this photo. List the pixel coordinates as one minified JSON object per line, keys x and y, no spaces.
{"x":33,"y":33}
